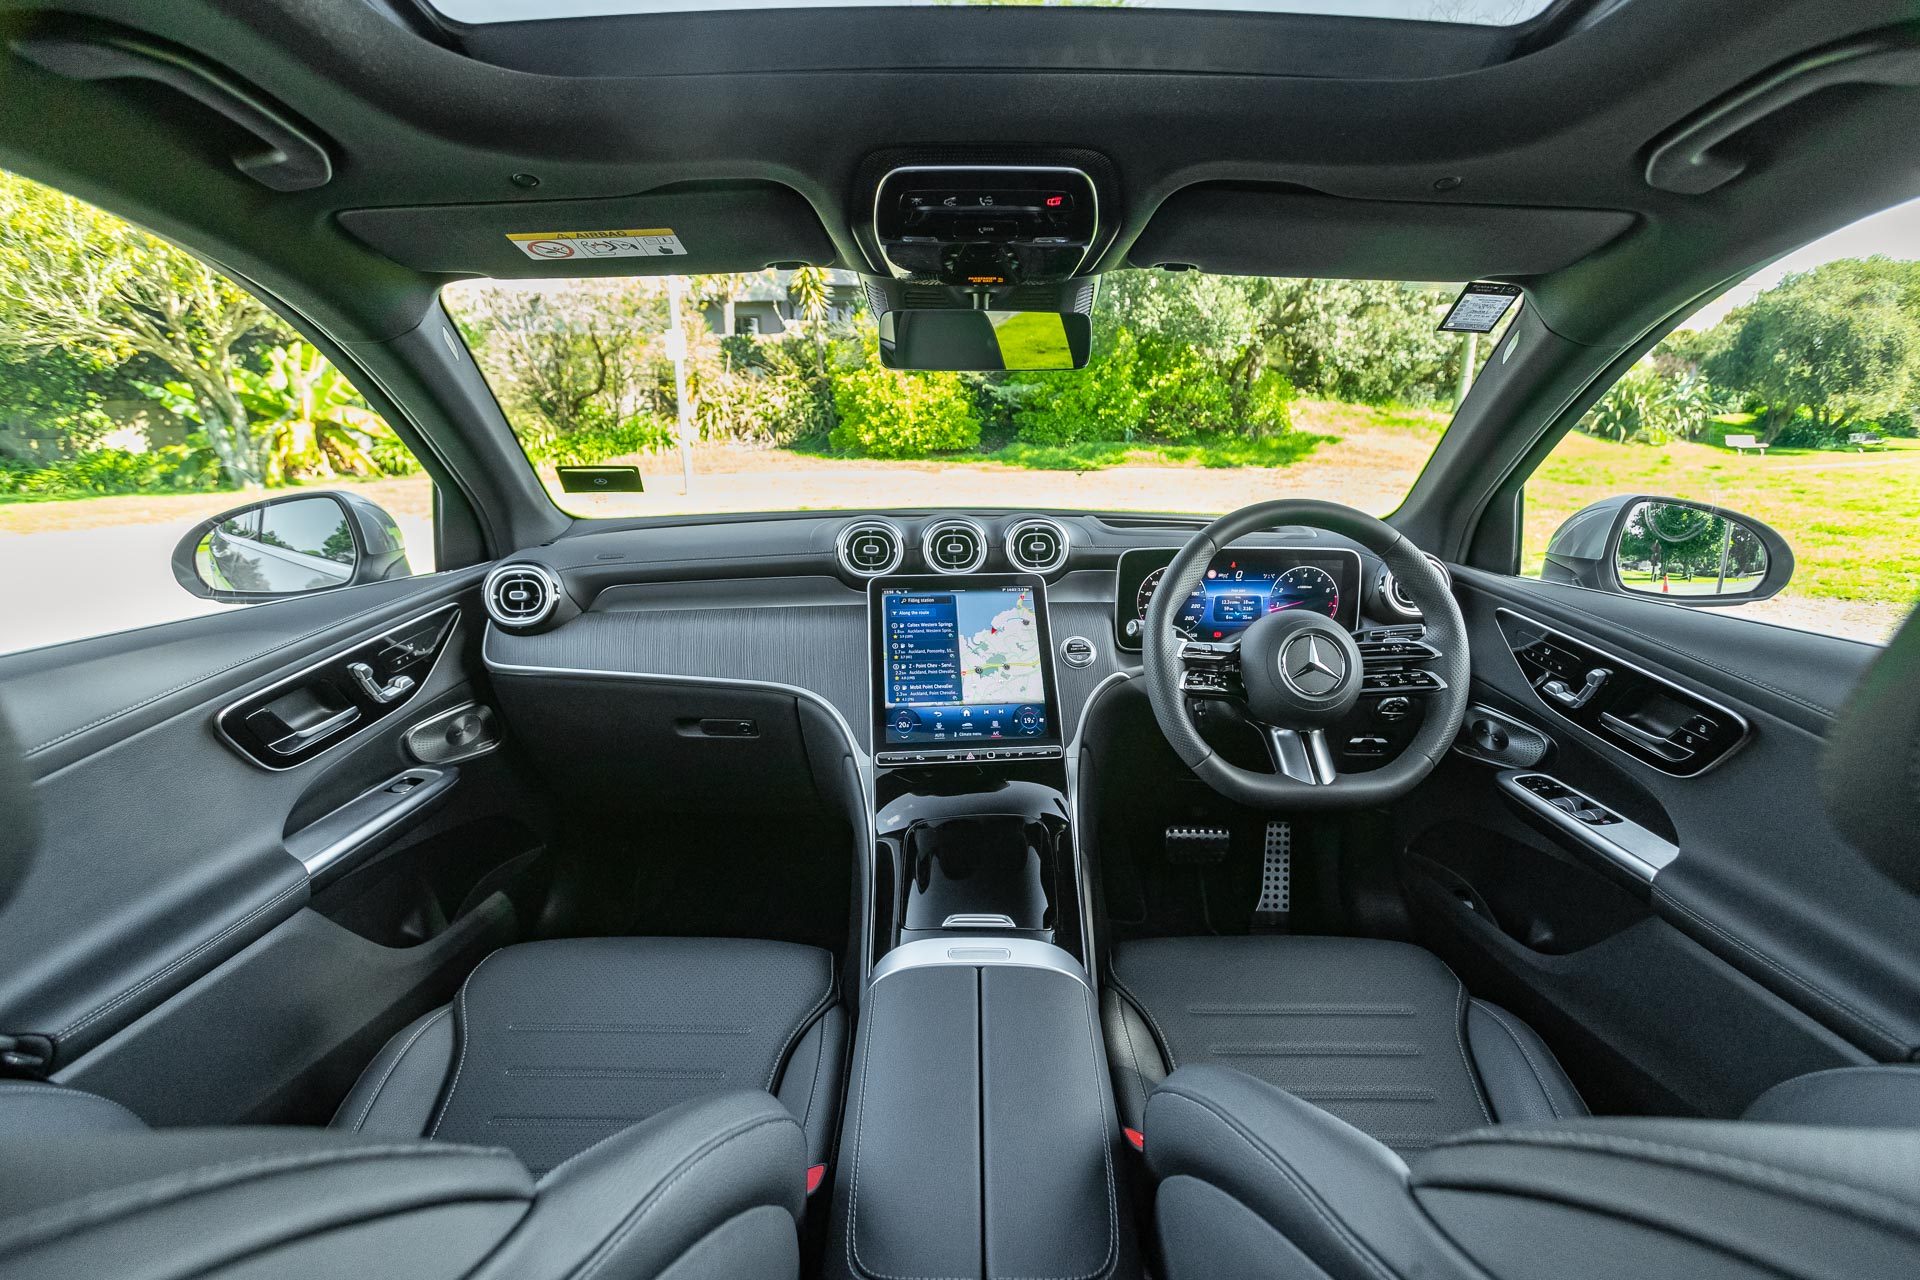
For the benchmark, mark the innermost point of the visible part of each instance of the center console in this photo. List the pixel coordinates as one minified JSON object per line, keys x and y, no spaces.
{"x":980,"y":1136}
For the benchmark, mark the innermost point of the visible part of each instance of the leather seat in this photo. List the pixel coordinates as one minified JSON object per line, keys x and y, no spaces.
{"x":608,"y":1107}
{"x":1380,"y":1034}
{"x":552,"y":1046}
{"x":1252,"y":1181}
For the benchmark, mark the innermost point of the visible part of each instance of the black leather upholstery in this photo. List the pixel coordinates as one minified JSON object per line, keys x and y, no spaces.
{"x":20,"y":833}
{"x":552,"y":1046}
{"x":1884,"y":1097}
{"x":43,"y":1111}
{"x":1380,"y":1034}
{"x":980,"y":1137}
{"x":709,"y":1189}
{"x":1870,"y":767}
{"x":1253,"y":1181}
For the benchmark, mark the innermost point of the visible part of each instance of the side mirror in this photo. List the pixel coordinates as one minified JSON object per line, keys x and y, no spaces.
{"x":290,"y":546}
{"x":1689,"y":553}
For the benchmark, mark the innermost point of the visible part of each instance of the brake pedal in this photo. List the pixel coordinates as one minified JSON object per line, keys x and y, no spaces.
{"x":1197,"y":846}
{"x":1270,"y":913}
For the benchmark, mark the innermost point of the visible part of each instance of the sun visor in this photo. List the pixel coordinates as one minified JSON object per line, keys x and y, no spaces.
{"x":672,"y":230}
{"x":1270,"y":231}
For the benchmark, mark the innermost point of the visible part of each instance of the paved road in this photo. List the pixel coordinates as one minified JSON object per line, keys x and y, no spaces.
{"x":69,"y":583}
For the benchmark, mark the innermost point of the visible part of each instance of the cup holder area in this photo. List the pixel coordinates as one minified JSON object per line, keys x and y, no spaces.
{"x":979,"y":873}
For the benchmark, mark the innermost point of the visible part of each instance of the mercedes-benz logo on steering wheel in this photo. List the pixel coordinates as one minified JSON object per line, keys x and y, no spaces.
{"x":1312,"y":667}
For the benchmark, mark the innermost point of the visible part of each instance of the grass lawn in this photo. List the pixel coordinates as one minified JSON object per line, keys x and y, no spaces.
{"x":1852,"y":519}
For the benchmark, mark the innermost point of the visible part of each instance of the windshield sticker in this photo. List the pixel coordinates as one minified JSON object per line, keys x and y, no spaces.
{"x":562,"y":246}
{"x":1479,"y":307}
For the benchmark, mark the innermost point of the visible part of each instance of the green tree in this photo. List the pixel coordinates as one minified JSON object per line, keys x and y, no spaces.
{"x":1836,"y":342}
{"x":888,"y":414}
{"x":1654,"y":402}
{"x":569,"y":358}
{"x":75,"y":277}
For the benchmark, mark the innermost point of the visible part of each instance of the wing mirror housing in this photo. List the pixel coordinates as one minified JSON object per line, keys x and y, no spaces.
{"x":1685,"y":553}
{"x":291,"y":545}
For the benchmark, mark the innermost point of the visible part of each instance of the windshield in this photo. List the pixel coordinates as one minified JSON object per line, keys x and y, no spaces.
{"x":1204,"y":393}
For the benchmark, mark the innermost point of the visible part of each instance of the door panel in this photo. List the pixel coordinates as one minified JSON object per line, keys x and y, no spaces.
{"x":163,"y":911}
{"x":1765,"y":947}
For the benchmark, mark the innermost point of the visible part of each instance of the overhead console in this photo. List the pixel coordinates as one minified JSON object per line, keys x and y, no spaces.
{"x":986,"y":226}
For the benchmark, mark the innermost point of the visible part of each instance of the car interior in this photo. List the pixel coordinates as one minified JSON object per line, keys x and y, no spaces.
{"x":936,"y":890}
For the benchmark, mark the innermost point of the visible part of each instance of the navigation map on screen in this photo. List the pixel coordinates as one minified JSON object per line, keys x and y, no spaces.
{"x":962,"y":665}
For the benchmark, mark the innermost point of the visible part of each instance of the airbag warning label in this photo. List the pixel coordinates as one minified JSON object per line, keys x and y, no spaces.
{"x":560,"y":246}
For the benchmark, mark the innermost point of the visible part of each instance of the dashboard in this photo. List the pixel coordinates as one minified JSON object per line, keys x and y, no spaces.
{"x":1242,"y":585}
{"x":789,"y":604}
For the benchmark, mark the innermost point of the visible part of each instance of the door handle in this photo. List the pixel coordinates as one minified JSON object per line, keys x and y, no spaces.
{"x":1662,"y":747}
{"x":300,"y":739}
{"x":362,"y":675}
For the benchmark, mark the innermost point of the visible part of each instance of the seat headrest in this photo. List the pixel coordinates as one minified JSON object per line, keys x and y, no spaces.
{"x":19,"y":814}
{"x":1870,"y":771}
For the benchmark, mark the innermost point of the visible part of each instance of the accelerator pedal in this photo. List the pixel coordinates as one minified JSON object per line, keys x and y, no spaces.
{"x":1270,"y":913}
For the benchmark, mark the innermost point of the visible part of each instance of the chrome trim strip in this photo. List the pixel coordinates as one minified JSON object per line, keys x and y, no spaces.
{"x":433,"y":784}
{"x":1626,"y":844}
{"x":1746,"y":728}
{"x":1066,"y":545}
{"x":453,"y":632}
{"x":978,"y":920}
{"x":879,"y":188}
{"x":1077,"y":827}
{"x":1023,"y":953}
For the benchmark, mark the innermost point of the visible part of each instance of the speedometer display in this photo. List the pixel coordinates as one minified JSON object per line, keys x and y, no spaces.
{"x":1241,"y":588}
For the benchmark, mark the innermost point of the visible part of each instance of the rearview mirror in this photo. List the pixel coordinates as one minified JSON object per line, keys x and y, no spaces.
{"x":290,"y":546}
{"x":985,"y":340}
{"x":1688,"y":553}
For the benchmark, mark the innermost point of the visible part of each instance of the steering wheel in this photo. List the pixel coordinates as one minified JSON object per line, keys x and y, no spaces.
{"x":1302,"y":672}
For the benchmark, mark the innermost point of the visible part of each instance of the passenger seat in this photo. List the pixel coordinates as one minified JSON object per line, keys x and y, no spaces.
{"x":552,"y":1046}
{"x":619,"y":1107}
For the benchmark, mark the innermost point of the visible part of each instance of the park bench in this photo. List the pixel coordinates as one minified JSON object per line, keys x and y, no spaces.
{"x":1865,"y":440}
{"x":1743,"y":443}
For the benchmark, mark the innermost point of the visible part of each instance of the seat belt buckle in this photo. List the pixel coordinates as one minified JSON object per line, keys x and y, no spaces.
{"x":26,"y":1055}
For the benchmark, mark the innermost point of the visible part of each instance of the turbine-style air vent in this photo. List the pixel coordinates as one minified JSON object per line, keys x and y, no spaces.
{"x":521,"y":595}
{"x":1037,"y":545}
{"x":1394,"y":595}
{"x":954,"y":546}
{"x":869,"y":548}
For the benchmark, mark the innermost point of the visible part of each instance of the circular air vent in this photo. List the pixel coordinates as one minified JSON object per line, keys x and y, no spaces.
{"x":870,"y":548}
{"x":1394,"y":596}
{"x":1036,"y":545}
{"x":521,"y":595}
{"x":954,"y":546}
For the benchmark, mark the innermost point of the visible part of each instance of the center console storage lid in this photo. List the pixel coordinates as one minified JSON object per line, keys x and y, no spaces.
{"x":980,"y":1137}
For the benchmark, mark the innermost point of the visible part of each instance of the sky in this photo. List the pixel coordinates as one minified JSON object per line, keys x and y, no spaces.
{"x":1895,"y":233}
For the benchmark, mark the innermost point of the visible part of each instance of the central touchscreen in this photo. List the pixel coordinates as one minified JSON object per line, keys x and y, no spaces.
{"x":963,"y":668}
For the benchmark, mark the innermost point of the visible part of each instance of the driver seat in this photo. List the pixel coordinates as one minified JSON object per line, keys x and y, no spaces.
{"x":1380,"y":1034}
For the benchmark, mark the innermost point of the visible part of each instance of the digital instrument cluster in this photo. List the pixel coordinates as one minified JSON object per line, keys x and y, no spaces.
{"x":1241,"y":586}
